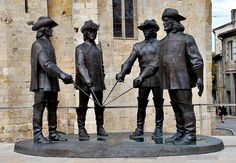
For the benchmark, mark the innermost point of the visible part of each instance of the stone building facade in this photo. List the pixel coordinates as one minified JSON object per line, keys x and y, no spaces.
{"x":225,"y":58}
{"x":16,"y":19}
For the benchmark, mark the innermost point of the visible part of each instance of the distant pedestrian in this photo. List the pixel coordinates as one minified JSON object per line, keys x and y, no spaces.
{"x":222,"y":113}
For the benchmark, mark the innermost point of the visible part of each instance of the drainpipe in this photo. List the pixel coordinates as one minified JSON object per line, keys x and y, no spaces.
{"x":222,"y":92}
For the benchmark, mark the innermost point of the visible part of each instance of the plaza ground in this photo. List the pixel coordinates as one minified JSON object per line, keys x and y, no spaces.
{"x":7,"y":154}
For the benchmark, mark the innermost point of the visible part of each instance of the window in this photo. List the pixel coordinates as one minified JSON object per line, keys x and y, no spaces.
{"x":227,"y":82}
{"x":233,"y":57}
{"x":123,"y":18}
{"x":231,"y":48}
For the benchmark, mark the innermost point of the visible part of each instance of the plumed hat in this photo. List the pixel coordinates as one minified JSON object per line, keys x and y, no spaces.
{"x":44,"y":21}
{"x":173,"y":13}
{"x":149,"y":24}
{"x":89,"y":25}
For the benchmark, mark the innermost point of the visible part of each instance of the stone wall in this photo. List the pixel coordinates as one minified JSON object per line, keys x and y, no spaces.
{"x":15,"y":44}
{"x":17,"y":37}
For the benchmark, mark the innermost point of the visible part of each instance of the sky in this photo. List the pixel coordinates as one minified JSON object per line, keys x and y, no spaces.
{"x":221,"y":14}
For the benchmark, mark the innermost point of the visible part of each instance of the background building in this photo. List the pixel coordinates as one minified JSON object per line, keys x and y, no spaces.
{"x":225,"y":59}
{"x":118,"y":20}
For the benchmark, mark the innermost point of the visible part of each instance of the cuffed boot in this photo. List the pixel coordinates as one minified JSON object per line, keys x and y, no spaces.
{"x":81,"y":117}
{"x":190,"y":129}
{"x":141,"y":114}
{"x":37,"y":123}
{"x":99,"y":113}
{"x":101,"y":131}
{"x":179,"y":124}
{"x":52,"y":122}
{"x":158,"y":103}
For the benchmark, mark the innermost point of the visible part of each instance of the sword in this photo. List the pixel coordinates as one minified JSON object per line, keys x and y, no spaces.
{"x":110,"y":92}
{"x":85,"y":93}
{"x":118,"y":96}
{"x":95,"y":98}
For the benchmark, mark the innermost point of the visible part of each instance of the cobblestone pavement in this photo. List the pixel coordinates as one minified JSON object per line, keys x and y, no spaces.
{"x":229,"y":125}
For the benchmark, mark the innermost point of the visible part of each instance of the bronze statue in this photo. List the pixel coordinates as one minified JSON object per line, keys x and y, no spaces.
{"x":90,"y":77}
{"x":145,"y":51}
{"x":181,"y":68}
{"x":44,"y":80}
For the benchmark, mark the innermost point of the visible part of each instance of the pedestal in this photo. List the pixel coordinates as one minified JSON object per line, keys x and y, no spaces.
{"x":117,"y":145}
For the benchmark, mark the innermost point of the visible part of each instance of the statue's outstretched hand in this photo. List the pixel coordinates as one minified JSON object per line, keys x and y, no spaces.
{"x":120,"y":77}
{"x":68,"y":79}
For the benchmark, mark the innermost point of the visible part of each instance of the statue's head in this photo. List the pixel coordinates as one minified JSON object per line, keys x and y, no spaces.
{"x":44,"y":26}
{"x":89,"y":30}
{"x":171,"y":20}
{"x":149,"y":28}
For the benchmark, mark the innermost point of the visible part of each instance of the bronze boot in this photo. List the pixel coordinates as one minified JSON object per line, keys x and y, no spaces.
{"x":52,"y":122}
{"x":81,"y":117}
{"x":37,"y":124}
{"x":141,"y":114}
{"x":190,"y":130}
{"x":101,"y":131}
{"x":179,"y":125}
{"x":158,"y":103}
{"x":99,"y":113}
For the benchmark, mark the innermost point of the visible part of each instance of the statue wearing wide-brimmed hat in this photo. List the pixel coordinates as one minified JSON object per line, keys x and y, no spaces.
{"x":89,"y":79}
{"x":44,"y":21}
{"x":172,"y":13}
{"x":181,"y":67}
{"x":145,"y":51}
{"x":44,"y":80}
{"x":89,"y":25}
{"x":150,"y":24}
